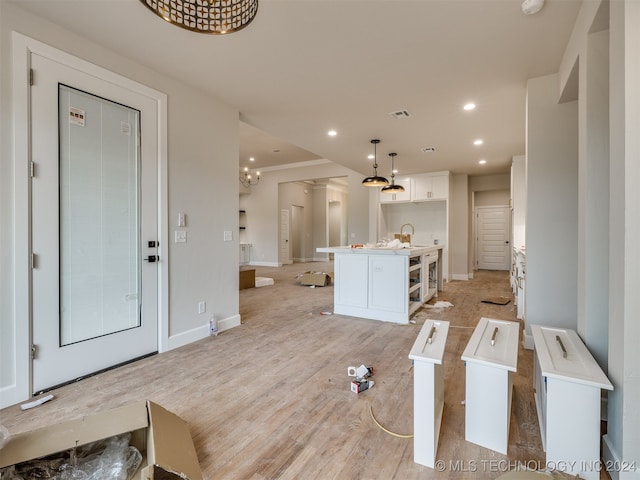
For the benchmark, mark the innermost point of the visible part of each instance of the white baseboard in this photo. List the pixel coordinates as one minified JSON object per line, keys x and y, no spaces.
{"x":470,"y":275}
{"x":201,"y":332}
{"x":612,"y":459}
{"x":459,"y":276}
{"x":322,"y":259}
{"x":610,"y":456}
{"x":528,"y":341}
{"x":265,"y":264}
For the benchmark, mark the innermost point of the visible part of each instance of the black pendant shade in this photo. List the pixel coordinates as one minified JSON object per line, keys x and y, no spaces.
{"x":375,"y":180}
{"x":392,"y":188}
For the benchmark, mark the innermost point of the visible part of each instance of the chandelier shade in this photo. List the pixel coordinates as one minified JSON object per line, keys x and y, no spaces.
{"x":392,"y":187}
{"x":215,"y":17}
{"x":375,"y":180}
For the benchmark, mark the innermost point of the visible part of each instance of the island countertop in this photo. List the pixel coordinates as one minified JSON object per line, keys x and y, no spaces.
{"x":411,"y":251}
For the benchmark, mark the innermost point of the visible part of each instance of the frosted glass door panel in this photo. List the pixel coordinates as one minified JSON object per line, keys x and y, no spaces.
{"x":100,"y":257}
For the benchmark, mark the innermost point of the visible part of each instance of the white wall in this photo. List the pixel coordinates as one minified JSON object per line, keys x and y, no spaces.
{"x":552,"y":206}
{"x":492,"y":198}
{"x":429,"y":220}
{"x":519,"y":200}
{"x":263,"y":208}
{"x":202,"y":182}
{"x":593,"y":183}
{"x":300,"y":194}
{"x":459,"y":230}
{"x":622,"y":441}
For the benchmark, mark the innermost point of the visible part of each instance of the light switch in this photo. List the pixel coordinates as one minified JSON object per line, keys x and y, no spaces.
{"x":182,"y":221}
{"x":181,"y":236}
{"x":228,"y":235}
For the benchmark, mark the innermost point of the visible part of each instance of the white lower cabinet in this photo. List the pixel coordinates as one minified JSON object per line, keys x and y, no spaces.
{"x":567,"y":384}
{"x":386,"y":292}
{"x":352,"y":289}
{"x":384,"y":284}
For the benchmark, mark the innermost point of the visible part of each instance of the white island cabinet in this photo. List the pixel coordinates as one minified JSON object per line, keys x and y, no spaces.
{"x":387,"y":284}
{"x":567,"y":385}
{"x":427,"y":354}
{"x":491,"y":359}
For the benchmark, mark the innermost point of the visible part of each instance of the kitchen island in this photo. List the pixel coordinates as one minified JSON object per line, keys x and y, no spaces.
{"x":387,"y":284}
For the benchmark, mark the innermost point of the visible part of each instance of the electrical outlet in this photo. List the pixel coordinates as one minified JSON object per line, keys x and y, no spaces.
{"x":228,"y":235}
{"x":180,"y":236}
{"x":202,"y":307}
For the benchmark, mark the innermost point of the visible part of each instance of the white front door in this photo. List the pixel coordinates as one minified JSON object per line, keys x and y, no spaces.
{"x":94,"y":218}
{"x":493,"y":227}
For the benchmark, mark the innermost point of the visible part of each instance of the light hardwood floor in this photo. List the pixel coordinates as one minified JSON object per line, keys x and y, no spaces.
{"x":271,"y":399}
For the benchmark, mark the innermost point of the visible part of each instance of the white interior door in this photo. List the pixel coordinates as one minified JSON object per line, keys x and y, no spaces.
{"x":285,"y":255}
{"x":297,"y":233}
{"x":493,"y":227}
{"x":94,"y":215}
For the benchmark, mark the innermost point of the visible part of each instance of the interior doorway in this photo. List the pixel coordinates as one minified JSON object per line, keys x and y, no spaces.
{"x":493,"y":233}
{"x":297,"y":233}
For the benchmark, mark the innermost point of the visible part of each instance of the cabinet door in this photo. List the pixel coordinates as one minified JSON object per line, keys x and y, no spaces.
{"x":352,"y":270}
{"x":421,"y":187}
{"x":398,"y":197}
{"x":439,"y":187}
{"x":388,"y":283}
{"x":428,"y":186}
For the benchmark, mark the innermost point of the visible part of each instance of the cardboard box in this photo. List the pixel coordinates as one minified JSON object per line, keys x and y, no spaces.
{"x":162,"y":438}
{"x":247,"y":278}
{"x":319,"y":279}
{"x":360,"y":385}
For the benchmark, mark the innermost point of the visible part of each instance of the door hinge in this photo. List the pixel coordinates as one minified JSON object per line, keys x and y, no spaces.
{"x":34,"y":260}
{"x":32,"y":169}
{"x":31,"y":76}
{"x":34,"y":351}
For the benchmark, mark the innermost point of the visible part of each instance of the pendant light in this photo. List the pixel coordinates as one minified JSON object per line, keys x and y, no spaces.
{"x":375,"y":180}
{"x":392,"y":188}
{"x":215,"y":17}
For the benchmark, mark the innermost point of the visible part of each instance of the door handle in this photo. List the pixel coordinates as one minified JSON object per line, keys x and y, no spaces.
{"x":152,"y":258}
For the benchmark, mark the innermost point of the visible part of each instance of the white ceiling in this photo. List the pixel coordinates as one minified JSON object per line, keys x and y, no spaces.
{"x":303,"y":67}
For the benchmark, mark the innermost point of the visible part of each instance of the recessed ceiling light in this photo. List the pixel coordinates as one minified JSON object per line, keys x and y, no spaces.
{"x":371,"y":156}
{"x":482,"y":162}
{"x":332,"y":133}
{"x":478,"y":142}
{"x":252,"y":159}
{"x":469,"y":106}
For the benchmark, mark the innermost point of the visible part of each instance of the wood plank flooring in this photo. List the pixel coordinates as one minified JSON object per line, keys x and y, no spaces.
{"x":270,"y":399}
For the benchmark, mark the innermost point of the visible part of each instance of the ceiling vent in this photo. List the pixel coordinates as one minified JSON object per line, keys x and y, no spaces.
{"x":400,"y":114}
{"x":428,"y":149}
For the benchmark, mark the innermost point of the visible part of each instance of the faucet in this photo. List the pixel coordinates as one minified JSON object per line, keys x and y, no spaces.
{"x":407,"y":225}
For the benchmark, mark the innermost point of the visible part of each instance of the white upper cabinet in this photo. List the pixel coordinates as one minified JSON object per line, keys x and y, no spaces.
{"x":430,"y":186}
{"x":398,"y":197}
